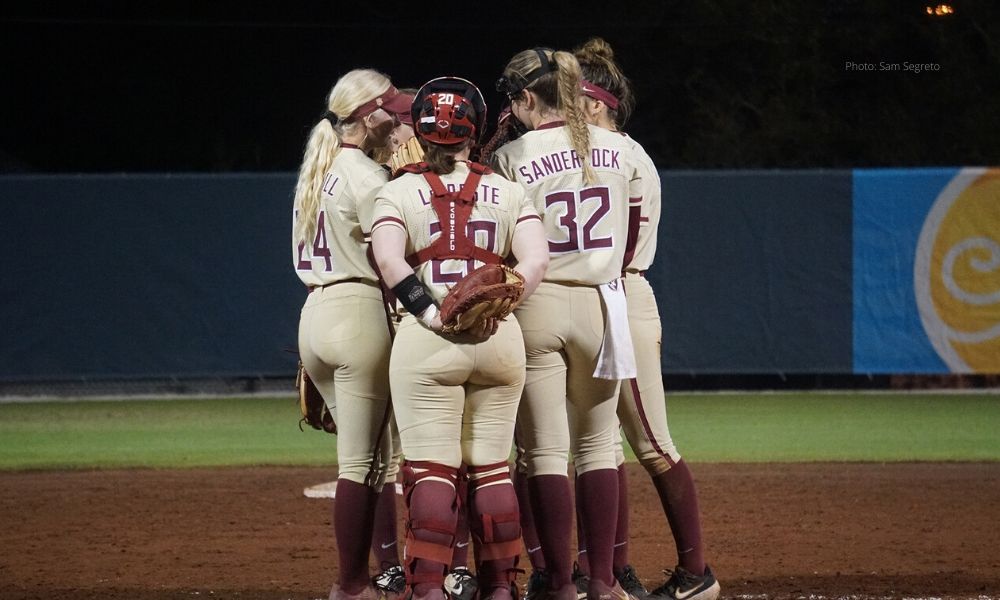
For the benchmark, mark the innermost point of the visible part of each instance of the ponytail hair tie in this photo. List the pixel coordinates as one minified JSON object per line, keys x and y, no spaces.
{"x":332,"y":118}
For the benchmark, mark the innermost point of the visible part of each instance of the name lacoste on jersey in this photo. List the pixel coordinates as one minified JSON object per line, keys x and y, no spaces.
{"x":485,"y":193}
{"x":565,"y":161}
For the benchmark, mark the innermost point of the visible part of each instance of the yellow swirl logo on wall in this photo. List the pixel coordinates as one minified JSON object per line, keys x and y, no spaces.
{"x":957,"y":272}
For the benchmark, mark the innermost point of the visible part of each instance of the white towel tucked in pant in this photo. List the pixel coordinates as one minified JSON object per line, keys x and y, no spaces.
{"x":617,"y":357}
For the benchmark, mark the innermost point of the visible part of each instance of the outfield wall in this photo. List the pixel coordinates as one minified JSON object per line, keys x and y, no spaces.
{"x":808,"y":271}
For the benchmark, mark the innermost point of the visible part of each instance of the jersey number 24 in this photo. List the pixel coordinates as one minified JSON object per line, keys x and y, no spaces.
{"x":320,"y":248}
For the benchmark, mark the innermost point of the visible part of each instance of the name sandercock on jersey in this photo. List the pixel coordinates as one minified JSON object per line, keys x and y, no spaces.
{"x":566,"y":161}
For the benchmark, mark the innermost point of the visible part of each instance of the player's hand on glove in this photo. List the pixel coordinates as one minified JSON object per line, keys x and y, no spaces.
{"x":479,"y":332}
{"x":485,"y":330}
{"x":483,"y":298}
{"x":435,"y":323}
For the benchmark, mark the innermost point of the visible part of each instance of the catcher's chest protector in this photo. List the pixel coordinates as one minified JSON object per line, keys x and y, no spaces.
{"x":453,"y":210}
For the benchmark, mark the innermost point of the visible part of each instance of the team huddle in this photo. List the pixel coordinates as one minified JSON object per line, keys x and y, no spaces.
{"x":468,"y":299}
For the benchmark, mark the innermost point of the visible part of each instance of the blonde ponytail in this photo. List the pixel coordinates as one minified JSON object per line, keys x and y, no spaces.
{"x":352,"y":90}
{"x":322,"y":147}
{"x":568,"y":75}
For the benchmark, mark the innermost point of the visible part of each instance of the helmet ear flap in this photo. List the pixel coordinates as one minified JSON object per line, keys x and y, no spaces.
{"x":426,"y":108}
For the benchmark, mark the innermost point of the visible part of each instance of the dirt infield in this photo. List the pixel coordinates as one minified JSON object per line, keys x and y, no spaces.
{"x":775,"y":531}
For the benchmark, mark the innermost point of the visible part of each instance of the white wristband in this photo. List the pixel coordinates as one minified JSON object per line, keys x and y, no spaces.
{"x":428,"y":315}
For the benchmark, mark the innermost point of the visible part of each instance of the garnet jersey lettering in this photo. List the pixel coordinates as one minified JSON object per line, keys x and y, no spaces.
{"x":338,"y":250}
{"x":498,"y":206}
{"x":586,"y":224}
{"x":649,"y":221}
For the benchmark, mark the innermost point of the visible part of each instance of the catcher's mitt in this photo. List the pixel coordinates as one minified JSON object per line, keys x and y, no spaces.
{"x":409,"y":153}
{"x":314,"y":410}
{"x":489,"y":292}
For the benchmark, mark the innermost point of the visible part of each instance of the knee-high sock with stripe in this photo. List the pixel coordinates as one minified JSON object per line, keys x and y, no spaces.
{"x":552,"y":507}
{"x":621,"y":530}
{"x":680,"y":503}
{"x":385,"y":547}
{"x":531,"y":544}
{"x":460,"y":558}
{"x":597,"y":499}
{"x":353,"y":516}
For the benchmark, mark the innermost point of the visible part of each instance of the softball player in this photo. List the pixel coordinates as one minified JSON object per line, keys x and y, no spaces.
{"x":400,"y":134}
{"x":582,"y":180}
{"x":392,"y":581}
{"x":344,"y":334}
{"x":455,"y":397}
{"x":608,"y":101}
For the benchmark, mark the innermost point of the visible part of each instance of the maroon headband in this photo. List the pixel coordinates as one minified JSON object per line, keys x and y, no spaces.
{"x":390,"y":100}
{"x":598,"y":93}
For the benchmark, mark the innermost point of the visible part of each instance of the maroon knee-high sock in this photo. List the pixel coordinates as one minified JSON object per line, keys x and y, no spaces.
{"x":431,"y":501}
{"x":583,"y":565}
{"x":597,"y":497}
{"x":680,"y":502}
{"x":621,"y":531}
{"x":531,"y":544}
{"x":553,"y":512}
{"x":460,"y":556}
{"x":385,"y":548}
{"x":493,"y":501}
{"x":353,"y":516}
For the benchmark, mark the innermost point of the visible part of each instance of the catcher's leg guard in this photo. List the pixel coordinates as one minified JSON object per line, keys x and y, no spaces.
{"x":496,"y":527}
{"x":429,"y":491}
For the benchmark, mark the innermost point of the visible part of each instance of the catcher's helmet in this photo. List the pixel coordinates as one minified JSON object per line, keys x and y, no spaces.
{"x":448,"y":110}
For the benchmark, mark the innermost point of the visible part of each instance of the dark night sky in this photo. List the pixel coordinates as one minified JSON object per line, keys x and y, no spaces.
{"x":207,"y":86}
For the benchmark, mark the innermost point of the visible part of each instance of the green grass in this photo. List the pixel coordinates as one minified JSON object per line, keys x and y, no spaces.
{"x":706,"y":428}
{"x":159,"y":433}
{"x":836,"y":427}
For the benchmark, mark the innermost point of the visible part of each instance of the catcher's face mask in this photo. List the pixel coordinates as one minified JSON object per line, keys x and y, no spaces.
{"x":448,"y":110}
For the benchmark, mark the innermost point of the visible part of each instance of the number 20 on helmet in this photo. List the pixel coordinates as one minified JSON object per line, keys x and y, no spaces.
{"x":448,"y":110}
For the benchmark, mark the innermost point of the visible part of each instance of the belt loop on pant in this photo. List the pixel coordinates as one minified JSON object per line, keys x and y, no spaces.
{"x":324,"y":286}
{"x":638,"y":273}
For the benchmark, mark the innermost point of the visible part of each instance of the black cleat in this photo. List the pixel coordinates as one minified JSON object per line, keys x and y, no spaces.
{"x":631,"y":584}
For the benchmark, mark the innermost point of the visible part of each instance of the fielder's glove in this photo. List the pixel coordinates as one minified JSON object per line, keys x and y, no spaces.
{"x":489,"y":292}
{"x":314,"y":410}
{"x":409,"y":153}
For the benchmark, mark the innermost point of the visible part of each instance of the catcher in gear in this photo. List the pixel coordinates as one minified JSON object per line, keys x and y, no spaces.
{"x":456,"y":394}
{"x":344,"y":334}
